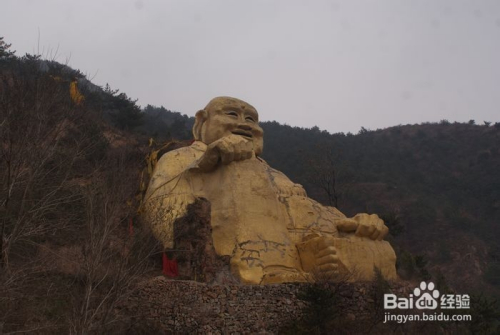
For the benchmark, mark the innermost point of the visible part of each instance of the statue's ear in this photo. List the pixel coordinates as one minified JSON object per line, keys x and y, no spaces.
{"x":200,"y":118}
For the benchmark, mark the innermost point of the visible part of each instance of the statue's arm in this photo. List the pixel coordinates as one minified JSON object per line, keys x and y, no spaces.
{"x":171,"y":167}
{"x":169,"y":192}
{"x":224,"y":151}
{"x":364,"y":225}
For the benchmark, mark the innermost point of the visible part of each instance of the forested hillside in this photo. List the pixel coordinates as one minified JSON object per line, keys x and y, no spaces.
{"x":69,"y":169}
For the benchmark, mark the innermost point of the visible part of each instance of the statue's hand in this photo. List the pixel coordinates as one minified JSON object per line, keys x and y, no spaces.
{"x":364,"y":225}
{"x":226,"y":150}
{"x":318,"y":253}
{"x":326,"y":257}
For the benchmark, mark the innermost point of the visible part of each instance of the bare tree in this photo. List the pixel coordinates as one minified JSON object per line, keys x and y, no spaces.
{"x":61,"y":182}
{"x":113,"y":261}
{"x":36,"y":168}
{"x":43,"y":137}
{"x":325,"y":170}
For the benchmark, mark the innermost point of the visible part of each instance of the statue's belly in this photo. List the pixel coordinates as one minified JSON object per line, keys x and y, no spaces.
{"x":249,"y":222}
{"x":258,"y":216}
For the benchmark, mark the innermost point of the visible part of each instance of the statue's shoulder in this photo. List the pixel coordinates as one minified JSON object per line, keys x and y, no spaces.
{"x":178,"y":160}
{"x":183,"y":155}
{"x":282,"y":183}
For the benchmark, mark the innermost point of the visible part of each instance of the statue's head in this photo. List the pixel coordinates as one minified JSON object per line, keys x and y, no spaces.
{"x":224,"y":116}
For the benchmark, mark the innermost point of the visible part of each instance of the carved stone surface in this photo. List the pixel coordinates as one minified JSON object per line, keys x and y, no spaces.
{"x":268,"y":227}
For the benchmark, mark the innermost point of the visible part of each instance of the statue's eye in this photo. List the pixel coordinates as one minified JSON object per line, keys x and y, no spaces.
{"x":249,"y":118}
{"x":232,"y":113}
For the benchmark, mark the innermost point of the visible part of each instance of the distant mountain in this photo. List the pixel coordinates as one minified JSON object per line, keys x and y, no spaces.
{"x":163,"y":124}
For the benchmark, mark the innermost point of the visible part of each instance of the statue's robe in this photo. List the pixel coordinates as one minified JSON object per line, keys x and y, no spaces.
{"x":258,"y":215}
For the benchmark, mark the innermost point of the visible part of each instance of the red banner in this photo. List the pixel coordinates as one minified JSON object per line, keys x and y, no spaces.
{"x":170,"y":267}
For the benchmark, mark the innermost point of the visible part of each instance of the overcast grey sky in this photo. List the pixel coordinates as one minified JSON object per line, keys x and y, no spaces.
{"x":339,"y":65}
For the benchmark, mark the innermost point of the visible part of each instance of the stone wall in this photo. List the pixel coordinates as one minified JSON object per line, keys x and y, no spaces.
{"x":166,"y":306}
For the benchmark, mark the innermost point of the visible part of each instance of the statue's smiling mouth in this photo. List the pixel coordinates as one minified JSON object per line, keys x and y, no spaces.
{"x":243,"y":133}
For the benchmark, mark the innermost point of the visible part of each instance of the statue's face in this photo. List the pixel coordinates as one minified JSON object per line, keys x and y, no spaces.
{"x":226,"y":116}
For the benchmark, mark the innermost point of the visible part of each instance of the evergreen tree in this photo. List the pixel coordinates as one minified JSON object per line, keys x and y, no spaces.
{"x":122,"y":110}
{"x":5,"y":53}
